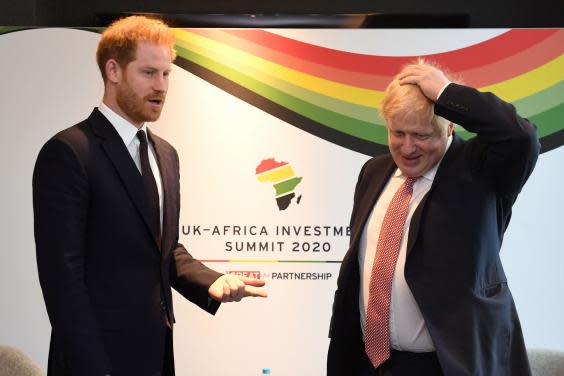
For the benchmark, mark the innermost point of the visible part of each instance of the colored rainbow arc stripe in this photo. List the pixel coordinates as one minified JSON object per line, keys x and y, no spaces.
{"x":335,"y":94}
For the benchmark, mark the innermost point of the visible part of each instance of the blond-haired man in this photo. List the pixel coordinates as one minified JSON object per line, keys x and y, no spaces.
{"x":421,"y":290}
{"x":106,"y":204}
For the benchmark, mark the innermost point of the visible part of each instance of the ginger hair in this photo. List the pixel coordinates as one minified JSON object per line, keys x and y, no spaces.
{"x":119,"y":41}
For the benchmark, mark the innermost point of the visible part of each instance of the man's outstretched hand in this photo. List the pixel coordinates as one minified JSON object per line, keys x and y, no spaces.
{"x":232,"y":288}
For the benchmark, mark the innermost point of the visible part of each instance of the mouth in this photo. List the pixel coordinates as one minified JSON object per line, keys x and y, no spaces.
{"x":411,"y":160}
{"x":156,"y":101}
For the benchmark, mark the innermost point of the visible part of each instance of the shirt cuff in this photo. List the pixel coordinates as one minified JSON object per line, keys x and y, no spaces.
{"x":443,"y":89}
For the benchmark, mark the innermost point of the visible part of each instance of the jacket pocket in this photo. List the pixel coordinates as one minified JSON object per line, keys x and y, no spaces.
{"x":493,"y":289}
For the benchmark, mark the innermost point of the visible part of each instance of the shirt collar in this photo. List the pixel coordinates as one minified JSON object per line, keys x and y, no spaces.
{"x":126,"y":130}
{"x":429,"y":175}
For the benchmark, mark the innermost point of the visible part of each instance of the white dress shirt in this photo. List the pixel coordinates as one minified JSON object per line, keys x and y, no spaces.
{"x":408,"y":331}
{"x":128,"y":133}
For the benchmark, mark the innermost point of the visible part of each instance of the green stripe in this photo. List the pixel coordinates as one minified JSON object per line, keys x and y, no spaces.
{"x":312,"y":105}
{"x":541,"y":101}
{"x":287,"y":186}
{"x":8,"y":29}
{"x":342,"y":123}
{"x":550,"y":121}
{"x":547,"y":122}
{"x":355,"y":111}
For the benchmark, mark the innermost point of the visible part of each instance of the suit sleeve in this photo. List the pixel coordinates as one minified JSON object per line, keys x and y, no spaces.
{"x":357,"y":191}
{"x":60,"y":205}
{"x":193,"y":279}
{"x":188,"y":276}
{"x":506,"y":147}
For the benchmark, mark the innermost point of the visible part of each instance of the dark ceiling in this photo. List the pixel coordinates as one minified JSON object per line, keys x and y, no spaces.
{"x":292,"y":13}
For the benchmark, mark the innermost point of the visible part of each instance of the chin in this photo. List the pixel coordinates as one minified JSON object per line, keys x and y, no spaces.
{"x":411,"y":172}
{"x":151,"y":117}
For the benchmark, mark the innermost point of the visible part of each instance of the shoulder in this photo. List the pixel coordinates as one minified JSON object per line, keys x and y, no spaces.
{"x":163,"y":146}
{"x":161,"y":141}
{"x":377,"y":164}
{"x":75,"y":140}
{"x":76,"y":134}
{"x":63,"y":156}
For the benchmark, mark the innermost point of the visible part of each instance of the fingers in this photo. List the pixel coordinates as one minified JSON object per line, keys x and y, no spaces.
{"x":410,"y":72}
{"x":255,"y":292}
{"x":429,"y":79}
{"x":236,"y":288}
{"x":252,"y":281}
{"x":413,"y":74}
{"x":226,"y":289}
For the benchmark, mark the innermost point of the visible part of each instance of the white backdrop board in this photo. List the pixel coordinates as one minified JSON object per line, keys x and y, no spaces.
{"x":250,"y":133}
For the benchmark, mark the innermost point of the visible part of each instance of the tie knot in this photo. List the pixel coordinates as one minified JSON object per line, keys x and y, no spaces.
{"x":409,"y":181}
{"x":142,"y":136}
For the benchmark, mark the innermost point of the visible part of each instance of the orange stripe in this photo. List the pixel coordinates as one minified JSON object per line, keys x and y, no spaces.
{"x":470,"y":57}
{"x":497,"y":71}
{"x":364,"y":80}
{"x":518,"y":64}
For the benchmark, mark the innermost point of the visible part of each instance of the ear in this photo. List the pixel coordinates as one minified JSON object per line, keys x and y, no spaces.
{"x":113,"y":71}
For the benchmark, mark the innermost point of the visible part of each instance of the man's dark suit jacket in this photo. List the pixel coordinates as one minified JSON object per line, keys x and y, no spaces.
{"x":453,"y":267}
{"x":105,"y":280}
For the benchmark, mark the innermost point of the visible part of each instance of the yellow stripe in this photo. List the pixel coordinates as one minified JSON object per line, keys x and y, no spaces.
{"x":276,"y":175}
{"x":510,"y":90}
{"x":529,"y":83}
{"x":282,"y":85}
{"x":226,"y":55}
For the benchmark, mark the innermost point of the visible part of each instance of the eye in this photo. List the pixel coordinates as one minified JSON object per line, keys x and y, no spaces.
{"x":422,"y":137}
{"x":148,"y":72}
{"x":398,"y":133}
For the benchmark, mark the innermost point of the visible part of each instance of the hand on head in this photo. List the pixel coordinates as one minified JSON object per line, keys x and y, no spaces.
{"x":232,"y":288}
{"x":429,"y":79}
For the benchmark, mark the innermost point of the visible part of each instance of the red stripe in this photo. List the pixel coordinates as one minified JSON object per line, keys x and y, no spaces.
{"x":474,"y":56}
{"x":358,"y":79}
{"x":518,"y":64}
{"x":268,"y":164}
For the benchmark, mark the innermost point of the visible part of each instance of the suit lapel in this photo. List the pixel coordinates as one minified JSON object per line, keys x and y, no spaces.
{"x":446,"y":170}
{"x":167,"y":171}
{"x":118,"y":154}
{"x":373,"y":190}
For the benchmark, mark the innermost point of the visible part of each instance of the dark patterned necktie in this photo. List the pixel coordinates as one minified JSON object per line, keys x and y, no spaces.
{"x":150,"y":185}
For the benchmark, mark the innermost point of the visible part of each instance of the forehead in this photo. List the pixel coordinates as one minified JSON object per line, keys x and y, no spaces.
{"x":411,"y":124}
{"x":152,"y":53}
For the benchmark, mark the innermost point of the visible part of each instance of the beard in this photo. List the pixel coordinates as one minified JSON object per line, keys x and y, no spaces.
{"x":138,"y":108}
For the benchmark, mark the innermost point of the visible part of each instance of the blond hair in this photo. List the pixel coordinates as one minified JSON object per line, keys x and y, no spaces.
{"x":119,"y":41}
{"x":408,"y":103}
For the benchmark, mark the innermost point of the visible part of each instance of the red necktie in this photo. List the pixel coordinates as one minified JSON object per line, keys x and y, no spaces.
{"x":377,"y":329}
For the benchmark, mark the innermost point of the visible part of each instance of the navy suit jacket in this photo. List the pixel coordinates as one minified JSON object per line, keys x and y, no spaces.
{"x":453,"y":266}
{"x":105,"y":280}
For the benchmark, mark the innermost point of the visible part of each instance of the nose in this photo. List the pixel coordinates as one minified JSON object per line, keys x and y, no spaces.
{"x":160,"y":83}
{"x":408,"y":145}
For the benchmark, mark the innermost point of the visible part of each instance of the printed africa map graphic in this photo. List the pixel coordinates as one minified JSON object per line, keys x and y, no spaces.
{"x":283,"y":179}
